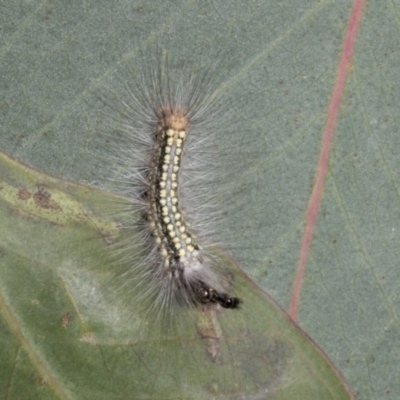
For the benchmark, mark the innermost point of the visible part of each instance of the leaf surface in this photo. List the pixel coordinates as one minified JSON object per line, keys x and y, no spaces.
{"x":55,"y":56}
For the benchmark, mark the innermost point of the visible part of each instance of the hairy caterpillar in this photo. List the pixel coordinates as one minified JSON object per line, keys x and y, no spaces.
{"x":164,"y":153}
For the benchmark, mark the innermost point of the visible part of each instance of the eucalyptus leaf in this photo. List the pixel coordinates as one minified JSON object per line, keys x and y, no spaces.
{"x":66,"y":337}
{"x":56,"y":55}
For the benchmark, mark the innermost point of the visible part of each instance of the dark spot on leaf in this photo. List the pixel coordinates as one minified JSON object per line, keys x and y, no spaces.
{"x":43,"y":199}
{"x":24,"y":194}
{"x":42,"y":381}
{"x":65,"y":320}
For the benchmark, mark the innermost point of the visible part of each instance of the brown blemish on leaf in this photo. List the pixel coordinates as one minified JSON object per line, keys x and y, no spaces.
{"x":208,"y":328}
{"x":24,"y":194}
{"x":43,"y":382}
{"x":43,"y":199}
{"x":65,"y":320}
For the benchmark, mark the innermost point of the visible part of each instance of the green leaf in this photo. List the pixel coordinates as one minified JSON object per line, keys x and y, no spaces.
{"x":66,"y":337}
{"x":55,"y":55}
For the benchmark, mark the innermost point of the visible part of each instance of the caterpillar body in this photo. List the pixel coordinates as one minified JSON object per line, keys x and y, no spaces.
{"x":183,"y":267}
{"x":163,"y":157}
